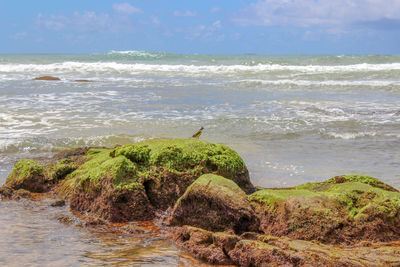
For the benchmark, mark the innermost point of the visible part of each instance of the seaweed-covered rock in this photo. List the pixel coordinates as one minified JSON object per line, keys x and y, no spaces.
{"x":131,"y":182}
{"x":266,"y":250}
{"x":29,"y":175}
{"x":214,"y":203}
{"x":344,"y":209}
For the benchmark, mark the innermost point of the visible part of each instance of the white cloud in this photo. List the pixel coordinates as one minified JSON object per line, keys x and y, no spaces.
{"x":307,"y":13}
{"x":126,"y":8}
{"x":186,"y":13}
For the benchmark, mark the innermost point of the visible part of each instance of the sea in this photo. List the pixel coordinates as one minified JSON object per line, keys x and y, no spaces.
{"x":292,"y":118}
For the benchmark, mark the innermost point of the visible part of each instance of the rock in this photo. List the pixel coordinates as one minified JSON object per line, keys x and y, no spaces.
{"x":29,"y":175}
{"x":344,"y":209}
{"x":83,"y":81}
{"x":59,"y":170}
{"x":47,"y":78}
{"x":58,"y":203}
{"x":200,"y":243}
{"x":265,"y":250}
{"x":214,"y":203}
{"x":131,"y":182}
{"x":21,"y":193}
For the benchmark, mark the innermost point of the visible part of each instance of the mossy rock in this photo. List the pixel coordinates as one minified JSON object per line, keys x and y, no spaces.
{"x":189,"y":156}
{"x":59,"y":170}
{"x":29,"y":175}
{"x":214,"y":203}
{"x":340,"y":210}
{"x":157,"y":171}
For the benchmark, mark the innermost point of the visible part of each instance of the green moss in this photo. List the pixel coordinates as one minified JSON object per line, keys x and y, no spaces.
{"x":218,"y":187}
{"x":24,"y":169}
{"x":127,"y":167}
{"x":59,"y":170}
{"x":362,"y":179}
{"x":184,"y":155}
{"x":359,"y":195}
{"x":120,"y":170}
{"x":271,"y":196}
{"x":222,"y":183}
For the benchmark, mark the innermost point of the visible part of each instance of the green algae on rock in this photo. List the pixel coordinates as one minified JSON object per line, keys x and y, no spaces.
{"x":156,"y":172}
{"x":29,"y":175}
{"x":341,"y":210}
{"x":214,"y":203}
{"x":191,"y":156}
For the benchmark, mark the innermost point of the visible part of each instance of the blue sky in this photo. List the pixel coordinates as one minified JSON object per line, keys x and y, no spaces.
{"x":219,"y":26}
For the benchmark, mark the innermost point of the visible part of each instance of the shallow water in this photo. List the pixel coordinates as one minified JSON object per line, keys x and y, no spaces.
{"x":35,"y":234}
{"x":293,"y":119}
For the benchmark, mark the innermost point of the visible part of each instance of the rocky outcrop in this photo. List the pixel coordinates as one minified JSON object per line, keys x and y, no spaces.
{"x":132,"y":182}
{"x":350,"y":220}
{"x":215,"y":203}
{"x":252,"y":249}
{"x":342,"y":210}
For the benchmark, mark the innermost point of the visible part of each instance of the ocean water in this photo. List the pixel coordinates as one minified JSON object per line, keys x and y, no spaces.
{"x":293,"y":119}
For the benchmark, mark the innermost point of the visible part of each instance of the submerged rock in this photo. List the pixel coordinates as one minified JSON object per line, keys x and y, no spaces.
{"x":83,"y":81}
{"x":214,"y":203}
{"x":344,"y":209}
{"x":47,"y":78}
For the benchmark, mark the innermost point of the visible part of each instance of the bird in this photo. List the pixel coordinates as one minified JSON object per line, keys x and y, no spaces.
{"x":198,"y":133}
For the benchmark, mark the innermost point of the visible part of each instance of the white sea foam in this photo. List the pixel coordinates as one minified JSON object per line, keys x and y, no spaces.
{"x":143,"y":54}
{"x":322,"y":83}
{"x":122,"y":68}
{"x":348,"y":136}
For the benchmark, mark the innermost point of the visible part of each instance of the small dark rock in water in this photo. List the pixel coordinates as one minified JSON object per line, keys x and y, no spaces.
{"x":58,"y":203}
{"x":47,"y":78}
{"x":65,"y":219}
{"x":83,"y":81}
{"x":6,"y":191}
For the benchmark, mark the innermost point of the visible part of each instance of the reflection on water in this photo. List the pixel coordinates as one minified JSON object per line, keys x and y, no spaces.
{"x":31,"y":234}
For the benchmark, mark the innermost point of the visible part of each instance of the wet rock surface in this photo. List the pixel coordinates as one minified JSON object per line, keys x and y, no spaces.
{"x":265,"y":250}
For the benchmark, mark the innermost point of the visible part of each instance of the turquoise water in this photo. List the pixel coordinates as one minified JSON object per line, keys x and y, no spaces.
{"x":293,"y":119}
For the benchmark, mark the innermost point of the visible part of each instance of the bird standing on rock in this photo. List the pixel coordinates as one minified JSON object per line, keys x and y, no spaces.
{"x":198,"y":133}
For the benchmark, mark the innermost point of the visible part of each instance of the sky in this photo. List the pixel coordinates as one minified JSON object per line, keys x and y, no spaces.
{"x":205,"y":27}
